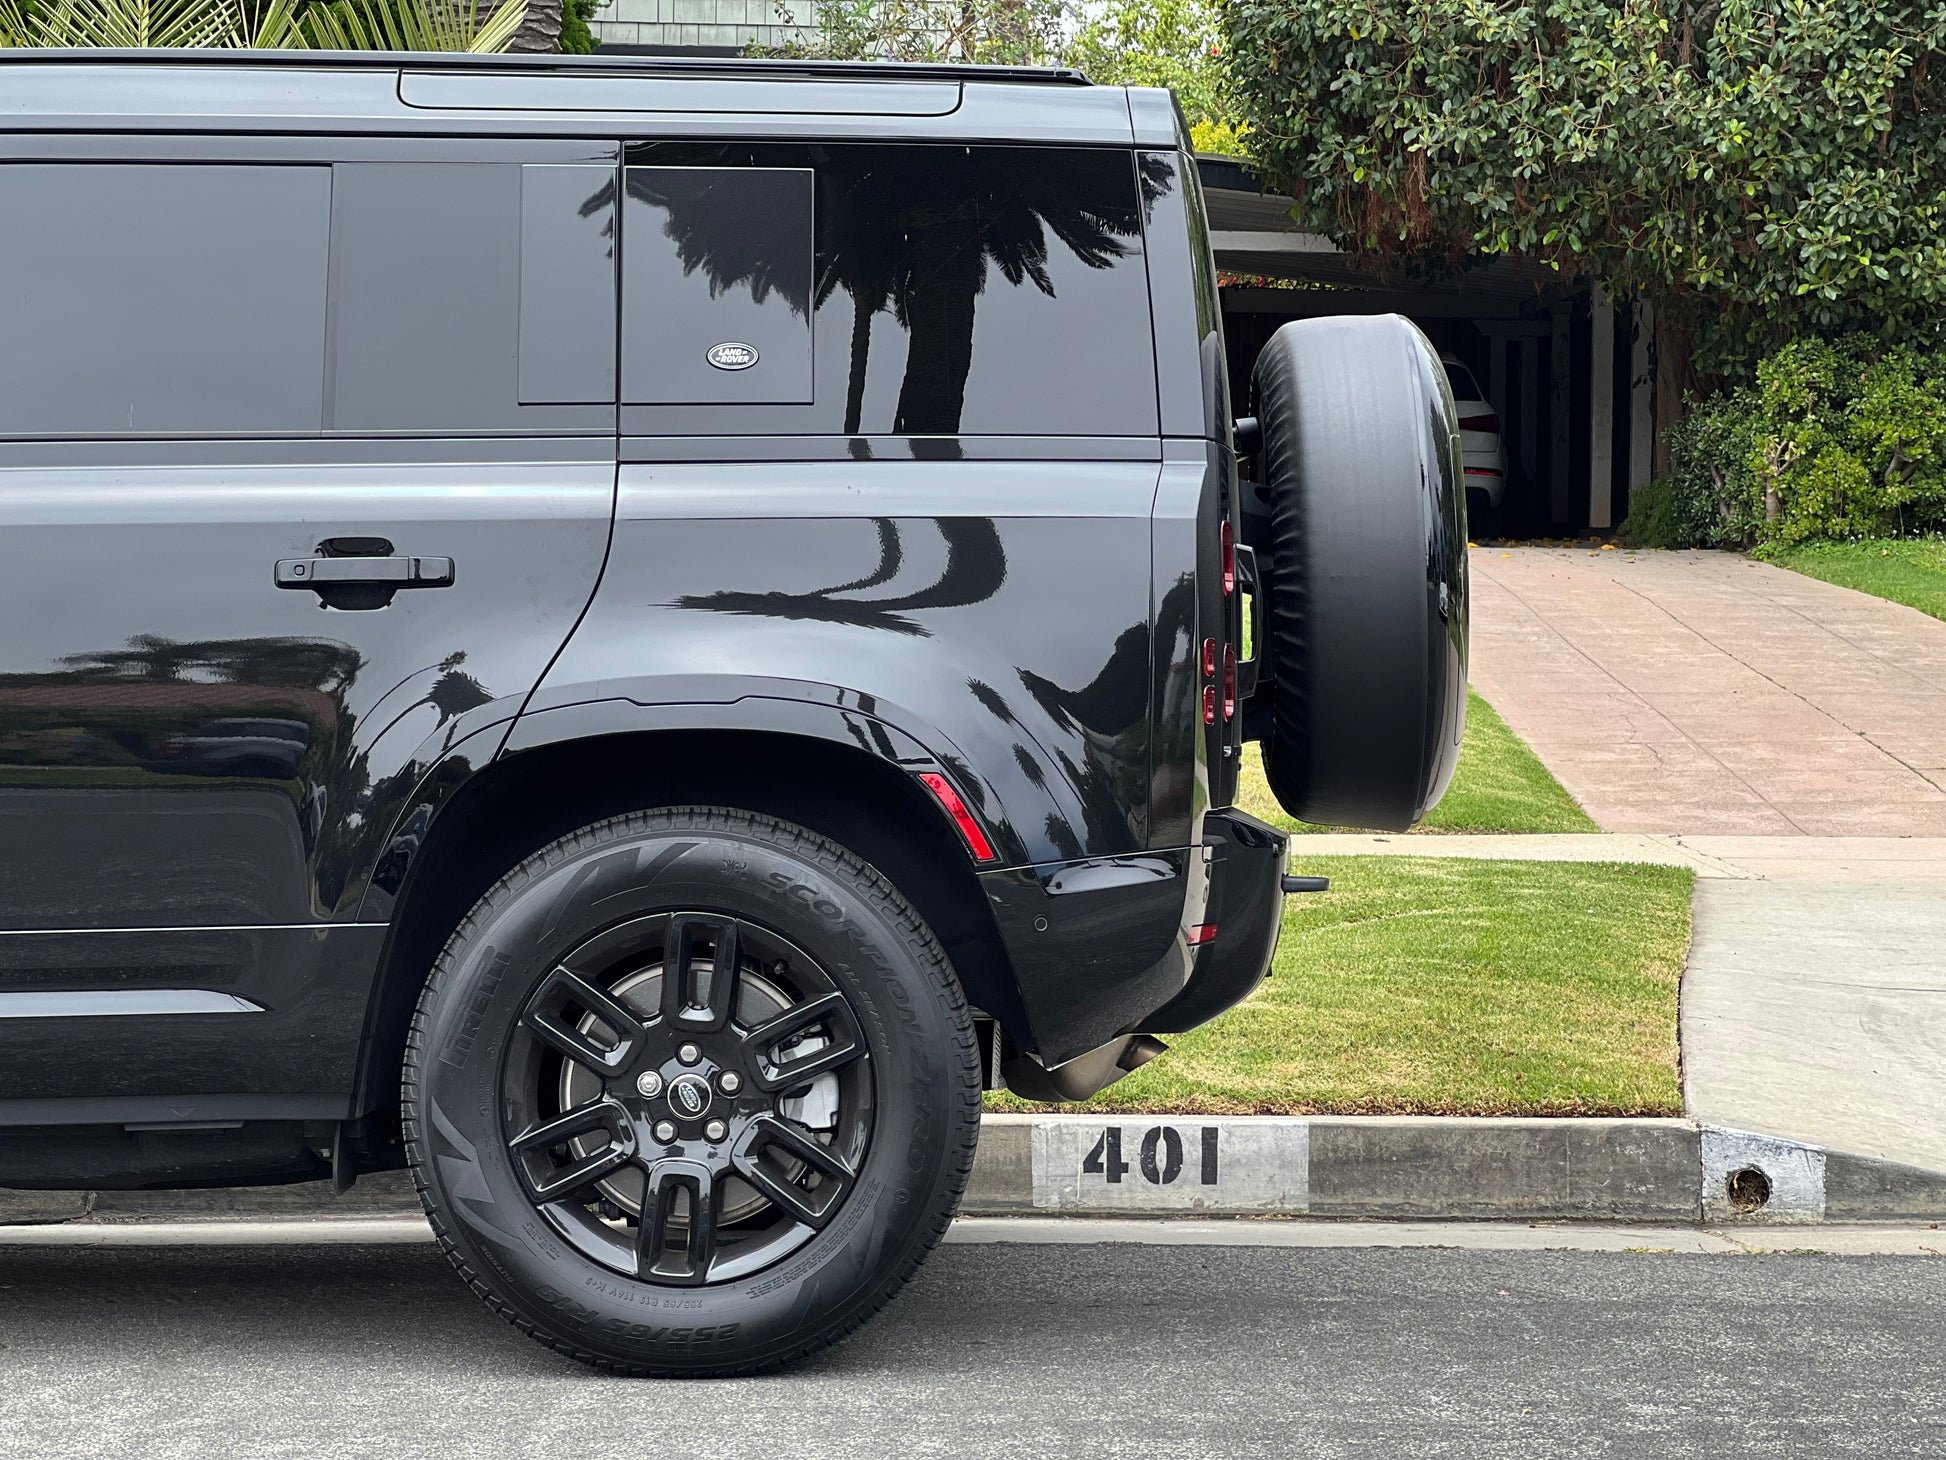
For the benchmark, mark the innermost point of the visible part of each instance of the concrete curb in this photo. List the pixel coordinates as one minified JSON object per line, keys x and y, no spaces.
{"x":1402,"y":1168}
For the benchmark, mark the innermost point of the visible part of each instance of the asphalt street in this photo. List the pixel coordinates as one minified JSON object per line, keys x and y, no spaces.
{"x":1004,"y":1350}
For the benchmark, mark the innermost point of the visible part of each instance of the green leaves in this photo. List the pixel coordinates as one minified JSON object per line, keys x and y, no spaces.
{"x":1836,"y":440}
{"x":339,"y":25}
{"x":1172,"y":43}
{"x":1764,"y":166}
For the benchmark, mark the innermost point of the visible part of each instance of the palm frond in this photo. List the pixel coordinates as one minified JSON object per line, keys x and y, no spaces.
{"x":410,"y":25}
{"x":349,"y":25}
{"x":124,"y":24}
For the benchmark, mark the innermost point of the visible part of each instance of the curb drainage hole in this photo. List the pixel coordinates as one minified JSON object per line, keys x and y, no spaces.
{"x":1748,"y":1189}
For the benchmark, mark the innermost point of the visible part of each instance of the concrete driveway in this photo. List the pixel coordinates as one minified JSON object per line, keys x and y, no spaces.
{"x":1793,"y":735}
{"x":1703,"y":693}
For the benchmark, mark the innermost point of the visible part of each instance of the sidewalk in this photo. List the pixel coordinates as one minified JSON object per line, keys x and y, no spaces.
{"x":1785,"y":739}
{"x":1819,"y":1013}
{"x":1909,"y":861}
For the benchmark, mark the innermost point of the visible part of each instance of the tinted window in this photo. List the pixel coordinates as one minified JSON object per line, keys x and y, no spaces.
{"x":982,"y":290}
{"x":1462,"y":381}
{"x":567,"y":284}
{"x":1209,"y":299}
{"x":426,"y":313}
{"x":717,"y":281}
{"x":151,"y":299}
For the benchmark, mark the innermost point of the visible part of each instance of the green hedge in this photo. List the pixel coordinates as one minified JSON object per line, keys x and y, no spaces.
{"x":1835,"y":440}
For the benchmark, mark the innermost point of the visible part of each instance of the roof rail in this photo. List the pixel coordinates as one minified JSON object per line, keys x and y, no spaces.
{"x":598,"y":65}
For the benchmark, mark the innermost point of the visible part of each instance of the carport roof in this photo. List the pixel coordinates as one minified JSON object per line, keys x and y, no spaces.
{"x":1252,"y":234}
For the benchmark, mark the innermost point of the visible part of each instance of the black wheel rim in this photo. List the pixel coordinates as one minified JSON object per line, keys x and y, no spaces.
{"x":679,"y":1126}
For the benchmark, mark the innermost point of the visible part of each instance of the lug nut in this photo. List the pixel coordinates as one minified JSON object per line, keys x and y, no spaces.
{"x":665,"y":1131}
{"x":689,"y":1054}
{"x":649,"y":1083}
{"x":729,"y":1082}
{"x":716,"y":1130}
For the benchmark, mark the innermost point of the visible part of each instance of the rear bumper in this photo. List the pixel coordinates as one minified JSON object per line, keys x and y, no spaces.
{"x":1101,"y":950}
{"x":1246,"y":902}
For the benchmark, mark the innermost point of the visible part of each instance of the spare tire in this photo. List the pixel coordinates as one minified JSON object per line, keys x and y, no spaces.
{"x":1360,"y":528}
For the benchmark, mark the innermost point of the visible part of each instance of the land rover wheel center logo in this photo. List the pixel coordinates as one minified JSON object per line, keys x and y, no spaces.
{"x":689,"y":1095}
{"x":732,"y":356}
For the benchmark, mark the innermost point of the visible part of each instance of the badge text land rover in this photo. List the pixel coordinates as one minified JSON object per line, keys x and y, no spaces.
{"x":629,"y":635}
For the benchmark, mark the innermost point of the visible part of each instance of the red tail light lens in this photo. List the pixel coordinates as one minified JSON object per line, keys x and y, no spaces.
{"x":969,"y":829}
{"x":1229,"y":682}
{"x":1229,"y":559}
{"x":1202,"y":933}
{"x":1209,"y":704}
{"x":1488,"y":422}
{"x":1209,"y":659}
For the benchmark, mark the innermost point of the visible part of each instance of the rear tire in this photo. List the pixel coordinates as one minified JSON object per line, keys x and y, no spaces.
{"x":572,"y":1108}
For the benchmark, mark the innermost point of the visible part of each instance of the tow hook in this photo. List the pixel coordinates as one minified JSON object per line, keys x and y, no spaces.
{"x":1305,"y":884}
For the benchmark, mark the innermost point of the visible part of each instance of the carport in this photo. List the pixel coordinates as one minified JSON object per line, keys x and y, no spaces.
{"x":1570,"y":375}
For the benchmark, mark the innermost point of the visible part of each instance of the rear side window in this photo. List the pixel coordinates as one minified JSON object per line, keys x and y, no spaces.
{"x":718,"y":283}
{"x":1465,"y":387}
{"x":361,"y":297}
{"x":471,"y":296}
{"x":873,"y":290}
{"x":161,"y":300}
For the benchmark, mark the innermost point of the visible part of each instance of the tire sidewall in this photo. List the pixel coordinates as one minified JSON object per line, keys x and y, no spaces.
{"x":907,"y":1183}
{"x":1367,"y":616}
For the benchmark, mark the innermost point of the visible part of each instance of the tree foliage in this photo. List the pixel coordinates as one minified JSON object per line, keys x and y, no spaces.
{"x":1778,"y":161}
{"x":338,"y":25}
{"x":982,"y":32}
{"x":577,"y":39}
{"x":1172,"y":43}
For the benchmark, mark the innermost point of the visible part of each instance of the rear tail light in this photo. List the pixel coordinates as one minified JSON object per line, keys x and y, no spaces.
{"x":1209,"y":659}
{"x":1202,"y":933}
{"x":1482,"y":471}
{"x":1229,"y":559}
{"x":1209,"y":704}
{"x":1229,"y":682}
{"x":1488,"y":422}
{"x":969,"y":829}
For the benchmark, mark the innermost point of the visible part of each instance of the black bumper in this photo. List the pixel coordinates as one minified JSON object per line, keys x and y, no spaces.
{"x":1099,"y":948}
{"x":1246,"y":902}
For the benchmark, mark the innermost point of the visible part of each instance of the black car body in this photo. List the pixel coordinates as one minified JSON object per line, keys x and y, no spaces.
{"x":529,"y":444}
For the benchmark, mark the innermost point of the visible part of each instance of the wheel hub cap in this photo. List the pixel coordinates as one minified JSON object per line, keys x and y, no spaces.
{"x":689,"y":1097}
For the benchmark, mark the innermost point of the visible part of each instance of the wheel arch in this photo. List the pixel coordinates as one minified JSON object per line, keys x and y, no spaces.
{"x":585,"y":762}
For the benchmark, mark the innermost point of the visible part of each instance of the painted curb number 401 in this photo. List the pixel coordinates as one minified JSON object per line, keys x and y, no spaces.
{"x":1159,"y":1156}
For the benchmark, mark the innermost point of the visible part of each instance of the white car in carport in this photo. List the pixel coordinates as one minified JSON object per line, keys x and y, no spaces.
{"x":1480,"y":442}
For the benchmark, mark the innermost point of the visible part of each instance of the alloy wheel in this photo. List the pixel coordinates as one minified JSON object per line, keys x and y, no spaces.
{"x":688,"y":1097}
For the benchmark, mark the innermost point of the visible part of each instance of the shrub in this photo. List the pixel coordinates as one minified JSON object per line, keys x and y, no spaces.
{"x":1835,"y":440}
{"x":1709,"y":497}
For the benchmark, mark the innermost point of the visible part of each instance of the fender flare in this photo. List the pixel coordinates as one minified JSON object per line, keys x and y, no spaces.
{"x":772,"y":706}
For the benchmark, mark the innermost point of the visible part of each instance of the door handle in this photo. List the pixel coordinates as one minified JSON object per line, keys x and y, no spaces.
{"x":394,"y":573}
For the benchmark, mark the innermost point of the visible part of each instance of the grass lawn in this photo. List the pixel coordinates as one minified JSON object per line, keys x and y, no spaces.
{"x":1450,"y":987}
{"x":1906,"y":570}
{"x":1500,"y":786}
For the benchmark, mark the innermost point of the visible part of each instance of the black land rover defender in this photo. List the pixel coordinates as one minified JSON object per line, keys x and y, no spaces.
{"x":632,"y":634}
